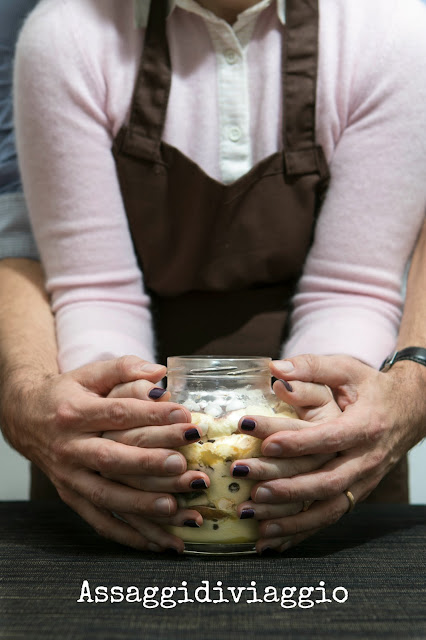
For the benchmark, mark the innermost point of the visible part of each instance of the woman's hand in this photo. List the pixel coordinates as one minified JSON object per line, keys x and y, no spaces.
{"x":383,"y":416}
{"x":314,"y":403}
{"x":153,"y":436}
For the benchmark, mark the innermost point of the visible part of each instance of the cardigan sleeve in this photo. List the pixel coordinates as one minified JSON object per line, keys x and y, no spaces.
{"x":64,"y":138}
{"x":372,"y":95}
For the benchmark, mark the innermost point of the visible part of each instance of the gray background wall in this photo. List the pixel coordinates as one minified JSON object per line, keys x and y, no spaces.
{"x":14,"y":474}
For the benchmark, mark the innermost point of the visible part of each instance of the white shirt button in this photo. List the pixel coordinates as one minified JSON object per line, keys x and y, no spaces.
{"x":231,"y":56}
{"x":234,"y":134}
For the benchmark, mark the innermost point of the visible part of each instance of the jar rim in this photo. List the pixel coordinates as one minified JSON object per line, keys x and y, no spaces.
{"x":218,"y":366}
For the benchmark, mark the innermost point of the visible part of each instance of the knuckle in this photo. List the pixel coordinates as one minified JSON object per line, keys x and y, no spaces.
{"x":312,"y":364}
{"x":375,"y":430}
{"x":335,"y":484}
{"x":125,"y":364}
{"x":143,"y":505}
{"x":375,"y":460}
{"x":334,"y":514}
{"x":295,"y":526}
{"x":138,"y":389}
{"x":178,"y":484}
{"x":65,"y":414}
{"x":148,"y":461}
{"x":286,"y":493}
{"x":141,"y":440}
{"x":117,"y":414}
{"x":296,"y":446}
{"x":152,"y":414}
{"x":60,"y":452}
{"x":104,"y":459}
{"x":97,"y":496}
{"x":299,"y":528}
{"x":259,"y":471}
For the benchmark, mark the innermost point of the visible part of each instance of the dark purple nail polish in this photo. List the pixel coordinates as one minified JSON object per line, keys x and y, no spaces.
{"x":248,"y":425}
{"x":192,"y":434}
{"x":191,"y":523}
{"x":268,"y":551}
{"x":241,"y":471}
{"x":171,"y":550}
{"x":156,"y":393}
{"x":246,"y":513}
{"x":287,"y":385}
{"x":199,"y":483}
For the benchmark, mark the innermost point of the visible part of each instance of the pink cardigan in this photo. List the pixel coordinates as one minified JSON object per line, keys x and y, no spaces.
{"x":74,"y":77}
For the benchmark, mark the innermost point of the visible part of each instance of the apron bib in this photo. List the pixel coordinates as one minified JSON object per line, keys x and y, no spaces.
{"x":221,"y":262}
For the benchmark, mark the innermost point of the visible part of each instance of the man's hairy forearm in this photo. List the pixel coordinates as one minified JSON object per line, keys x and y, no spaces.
{"x":413,"y":325}
{"x":410,"y":377}
{"x":27,"y":345}
{"x":27,"y":331}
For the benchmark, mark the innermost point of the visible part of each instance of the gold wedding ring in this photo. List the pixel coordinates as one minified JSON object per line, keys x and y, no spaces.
{"x":351,"y":499}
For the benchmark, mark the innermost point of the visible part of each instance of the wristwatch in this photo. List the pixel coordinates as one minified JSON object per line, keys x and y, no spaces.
{"x":416,"y":354}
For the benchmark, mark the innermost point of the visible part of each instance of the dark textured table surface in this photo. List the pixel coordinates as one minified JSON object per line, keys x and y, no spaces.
{"x":50,"y":559}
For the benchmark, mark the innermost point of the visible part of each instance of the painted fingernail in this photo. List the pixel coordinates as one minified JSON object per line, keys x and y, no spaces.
{"x":154,"y":547}
{"x":267,"y":551}
{"x":199,"y":483}
{"x":287,"y":385}
{"x":284,"y":365}
{"x":191,"y":523}
{"x":176,"y":416}
{"x":163,"y":506}
{"x":263,"y":495}
{"x":192,"y":434}
{"x":172,"y":550}
{"x":174,"y":464}
{"x":240,"y":471}
{"x":246,"y":513}
{"x":273,"y":531}
{"x":248,"y":424}
{"x":273,"y":450}
{"x":156,"y":393}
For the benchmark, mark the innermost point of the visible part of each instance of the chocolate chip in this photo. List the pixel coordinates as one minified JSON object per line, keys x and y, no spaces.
{"x":215,"y":526}
{"x":211,"y":440}
{"x":234,"y":487}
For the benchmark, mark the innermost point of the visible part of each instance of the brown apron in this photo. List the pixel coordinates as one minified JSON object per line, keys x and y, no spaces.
{"x":221,"y":262}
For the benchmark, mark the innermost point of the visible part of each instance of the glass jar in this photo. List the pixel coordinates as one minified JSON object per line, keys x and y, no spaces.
{"x":218,"y":391}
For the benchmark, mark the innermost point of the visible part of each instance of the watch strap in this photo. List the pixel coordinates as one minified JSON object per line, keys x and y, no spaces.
{"x":415,"y":354}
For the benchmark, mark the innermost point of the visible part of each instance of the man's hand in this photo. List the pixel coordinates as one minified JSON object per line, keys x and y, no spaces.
{"x":383,"y":416}
{"x":57,"y":420}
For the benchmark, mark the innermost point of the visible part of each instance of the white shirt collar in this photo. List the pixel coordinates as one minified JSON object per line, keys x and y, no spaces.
{"x":142,"y":9}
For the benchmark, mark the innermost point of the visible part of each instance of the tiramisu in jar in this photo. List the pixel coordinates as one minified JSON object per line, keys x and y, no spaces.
{"x":218,"y":391}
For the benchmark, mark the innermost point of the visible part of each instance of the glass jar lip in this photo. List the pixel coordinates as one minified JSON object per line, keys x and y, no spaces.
{"x":218,"y":366}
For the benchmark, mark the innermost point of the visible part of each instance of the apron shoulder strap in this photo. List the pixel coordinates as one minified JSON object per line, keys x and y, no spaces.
{"x":300,"y":68}
{"x":152,"y":88}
